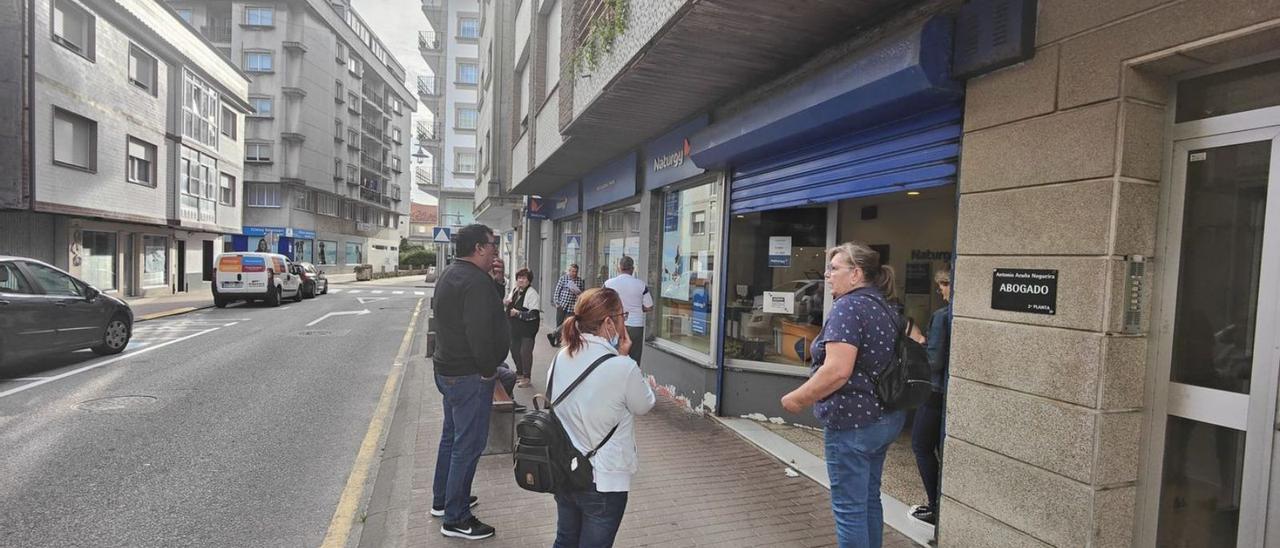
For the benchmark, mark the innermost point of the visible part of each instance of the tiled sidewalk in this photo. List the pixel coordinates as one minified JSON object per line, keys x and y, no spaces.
{"x":699,"y":485}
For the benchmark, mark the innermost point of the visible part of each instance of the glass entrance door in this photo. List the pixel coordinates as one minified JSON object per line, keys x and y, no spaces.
{"x":1219,"y":342}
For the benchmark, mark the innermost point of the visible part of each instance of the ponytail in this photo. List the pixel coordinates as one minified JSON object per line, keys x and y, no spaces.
{"x":885,"y":280}
{"x":594,"y":306}
{"x":862,"y":256}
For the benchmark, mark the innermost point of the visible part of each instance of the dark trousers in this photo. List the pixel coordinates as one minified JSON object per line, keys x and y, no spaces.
{"x":522,"y":354}
{"x":926,"y":443}
{"x":561,"y":316}
{"x":588,"y":519}
{"x":636,"y":334}
{"x":467,"y":402}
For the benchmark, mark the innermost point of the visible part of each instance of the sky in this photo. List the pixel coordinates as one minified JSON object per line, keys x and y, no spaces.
{"x":396,"y":23}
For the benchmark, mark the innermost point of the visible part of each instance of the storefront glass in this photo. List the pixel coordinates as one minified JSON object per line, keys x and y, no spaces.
{"x":688,"y":236}
{"x":99,"y":268}
{"x":355,"y":255}
{"x":776,"y":291}
{"x":155,"y":260}
{"x":617,"y":233}
{"x":569,"y":243}
{"x":302,"y":251}
{"x":327,"y":252}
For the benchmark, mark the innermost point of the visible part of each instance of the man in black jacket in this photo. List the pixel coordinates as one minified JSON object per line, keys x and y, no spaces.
{"x":473,"y":339}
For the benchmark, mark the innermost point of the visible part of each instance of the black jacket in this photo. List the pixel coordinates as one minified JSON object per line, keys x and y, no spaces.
{"x":472,"y":335}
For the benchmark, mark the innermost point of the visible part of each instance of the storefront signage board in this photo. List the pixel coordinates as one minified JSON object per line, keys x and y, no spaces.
{"x":701,"y":303}
{"x":666,"y":159}
{"x":563,"y":203}
{"x":780,"y":251}
{"x":536,"y":208}
{"x":779,"y":302}
{"x":1025,"y":290}
{"x":610,"y":183}
{"x":302,"y":234}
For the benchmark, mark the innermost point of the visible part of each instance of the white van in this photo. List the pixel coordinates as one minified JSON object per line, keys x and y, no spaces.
{"x":247,"y":276}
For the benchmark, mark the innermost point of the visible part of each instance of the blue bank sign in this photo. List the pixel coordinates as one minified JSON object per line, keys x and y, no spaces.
{"x":610,"y":183}
{"x":563,"y":203}
{"x":666,"y":159}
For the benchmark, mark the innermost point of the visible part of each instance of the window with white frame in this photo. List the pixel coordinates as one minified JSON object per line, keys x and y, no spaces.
{"x":303,"y":200}
{"x":465,"y":116}
{"x":464,"y":161}
{"x":395,"y":164}
{"x":257,"y":152}
{"x":228,"y":124}
{"x":468,"y":72}
{"x":395,"y":134}
{"x":226,"y":190}
{"x":259,"y":16}
{"x":339,"y":89}
{"x":262,"y":194}
{"x":73,"y":28}
{"x":198,"y":184}
{"x":698,"y":222}
{"x":259,"y":61}
{"x":354,"y":66}
{"x":468,"y":28}
{"x":75,"y":140}
{"x":141,"y":166}
{"x":327,"y":204}
{"x":340,"y":53}
{"x":200,"y":110}
{"x":142,"y":69}
{"x":263,"y":106}
{"x":338,"y":127}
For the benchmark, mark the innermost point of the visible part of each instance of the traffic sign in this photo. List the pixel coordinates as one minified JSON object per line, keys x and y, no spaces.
{"x":441,"y":235}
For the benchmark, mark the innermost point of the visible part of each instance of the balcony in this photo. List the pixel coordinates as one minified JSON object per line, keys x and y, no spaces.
{"x":429,"y":42}
{"x":201,"y":210}
{"x":430,"y":133}
{"x":434,"y":9}
{"x":430,"y":87}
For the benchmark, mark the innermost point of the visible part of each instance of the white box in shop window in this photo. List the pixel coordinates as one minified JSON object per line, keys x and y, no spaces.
{"x":779,"y":302}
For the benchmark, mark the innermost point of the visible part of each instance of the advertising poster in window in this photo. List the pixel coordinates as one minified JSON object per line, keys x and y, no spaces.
{"x":675,"y":277}
{"x":701,"y":302}
{"x":327,"y":252}
{"x":155,"y":256}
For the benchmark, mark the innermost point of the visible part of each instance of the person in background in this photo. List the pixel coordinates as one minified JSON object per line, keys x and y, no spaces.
{"x":927,"y":430}
{"x":473,"y":340}
{"x":636,"y":300}
{"x":524,"y":312}
{"x":856,"y":344}
{"x":565,"y":297}
{"x":608,"y":400}
{"x":499,"y":273}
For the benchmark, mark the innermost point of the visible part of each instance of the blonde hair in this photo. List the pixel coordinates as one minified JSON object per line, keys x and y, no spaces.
{"x":858,"y":254}
{"x":594,"y":305}
{"x":942,"y":275}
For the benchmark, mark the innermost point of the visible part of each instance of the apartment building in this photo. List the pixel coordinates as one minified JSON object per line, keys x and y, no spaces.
{"x":451,"y":92}
{"x":123,"y":144}
{"x":327,"y":145}
{"x":495,"y":206}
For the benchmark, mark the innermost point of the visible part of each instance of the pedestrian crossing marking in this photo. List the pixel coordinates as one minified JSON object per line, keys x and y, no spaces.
{"x":397,"y":293}
{"x":355,"y":291}
{"x":335,"y":291}
{"x":376,"y":292}
{"x":419,"y":293}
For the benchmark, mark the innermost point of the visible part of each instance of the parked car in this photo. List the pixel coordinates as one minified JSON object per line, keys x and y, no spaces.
{"x":43,"y":309}
{"x":252,"y":276}
{"x":314,"y":281}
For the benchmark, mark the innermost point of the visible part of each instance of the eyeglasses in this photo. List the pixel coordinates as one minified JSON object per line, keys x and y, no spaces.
{"x":623,"y":315}
{"x":834,"y":268}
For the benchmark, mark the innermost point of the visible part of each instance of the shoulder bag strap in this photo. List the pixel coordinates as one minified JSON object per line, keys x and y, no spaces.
{"x":901,"y":330}
{"x":577,"y":381}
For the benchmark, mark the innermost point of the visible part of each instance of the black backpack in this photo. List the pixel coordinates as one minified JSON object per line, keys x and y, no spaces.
{"x":545,"y":460}
{"x":906,"y":382}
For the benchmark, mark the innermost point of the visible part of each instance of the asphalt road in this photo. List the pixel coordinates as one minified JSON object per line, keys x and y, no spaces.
{"x":232,"y":427}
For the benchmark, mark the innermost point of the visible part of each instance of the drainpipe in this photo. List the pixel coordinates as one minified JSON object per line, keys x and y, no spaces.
{"x":29,"y":105}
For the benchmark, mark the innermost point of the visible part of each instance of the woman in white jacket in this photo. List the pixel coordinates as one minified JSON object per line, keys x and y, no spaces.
{"x":610,"y":396}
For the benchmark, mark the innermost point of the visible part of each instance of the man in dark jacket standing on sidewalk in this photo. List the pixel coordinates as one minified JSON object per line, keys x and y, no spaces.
{"x":473,"y":339}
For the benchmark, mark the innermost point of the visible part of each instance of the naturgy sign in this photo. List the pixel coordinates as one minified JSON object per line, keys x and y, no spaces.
{"x":666,"y":159}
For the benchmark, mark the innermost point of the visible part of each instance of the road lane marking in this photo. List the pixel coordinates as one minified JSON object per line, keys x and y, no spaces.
{"x":376,"y":292}
{"x":367,"y":300}
{"x":335,"y":291}
{"x":24,"y":379}
{"x":356,"y":291}
{"x":419,"y":293}
{"x":397,"y":293}
{"x":344,"y":516}
{"x":124,"y":356}
{"x":347,"y":313}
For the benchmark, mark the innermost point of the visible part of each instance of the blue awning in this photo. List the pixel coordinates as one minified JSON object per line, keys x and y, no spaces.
{"x":904,"y":74}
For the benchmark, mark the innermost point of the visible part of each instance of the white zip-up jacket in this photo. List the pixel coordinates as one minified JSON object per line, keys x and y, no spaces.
{"x":612,"y":395}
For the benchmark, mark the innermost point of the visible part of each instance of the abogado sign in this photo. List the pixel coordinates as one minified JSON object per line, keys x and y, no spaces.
{"x":1025,"y":290}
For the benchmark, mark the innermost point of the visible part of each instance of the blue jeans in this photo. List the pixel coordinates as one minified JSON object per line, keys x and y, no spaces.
{"x":588,"y":519}
{"x":926,"y":443}
{"x":855,"y":462}
{"x":467,"y":402}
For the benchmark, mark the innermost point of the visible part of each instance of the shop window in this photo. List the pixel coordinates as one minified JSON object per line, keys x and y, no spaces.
{"x":617,"y":233}
{"x":100,"y":261}
{"x":355,"y":255}
{"x":326,"y":252}
{"x":775,"y":282}
{"x":686,"y":271}
{"x":569,"y":241}
{"x":155,"y":260}
{"x":302,"y":251}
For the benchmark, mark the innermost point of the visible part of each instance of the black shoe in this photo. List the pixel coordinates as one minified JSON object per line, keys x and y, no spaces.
{"x":924,"y":513}
{"x":471,"y":529}
{"x":551,"y":338}
{"x":471,"y":503}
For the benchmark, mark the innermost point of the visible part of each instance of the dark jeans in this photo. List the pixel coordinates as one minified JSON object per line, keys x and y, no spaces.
{"x":588,"y":519}
{"x":507,"y":378}
{"x":561,"y":316}
{"x":467,"y":402}
{"x":855,"y":464}
{"x":522,"y":354}
{"x":926,"y":443}
{"x":636,"y":334}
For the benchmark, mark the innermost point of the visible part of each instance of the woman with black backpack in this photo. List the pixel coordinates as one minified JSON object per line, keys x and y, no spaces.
{"x":599,"y":415}
{"x":857,"y":343}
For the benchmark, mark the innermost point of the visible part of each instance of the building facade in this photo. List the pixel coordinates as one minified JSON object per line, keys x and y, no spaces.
{"x":327,"y":146}
{"x":124,"y":145}
{"x":495,"y":206}
{"x":452,"y":50}
{"x":1098,"y":195}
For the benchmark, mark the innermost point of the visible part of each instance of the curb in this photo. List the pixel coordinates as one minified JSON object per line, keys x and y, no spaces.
{"x":167,"y":313}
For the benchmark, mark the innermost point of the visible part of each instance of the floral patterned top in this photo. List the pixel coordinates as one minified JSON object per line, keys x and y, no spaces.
{"x":861,"y":318}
